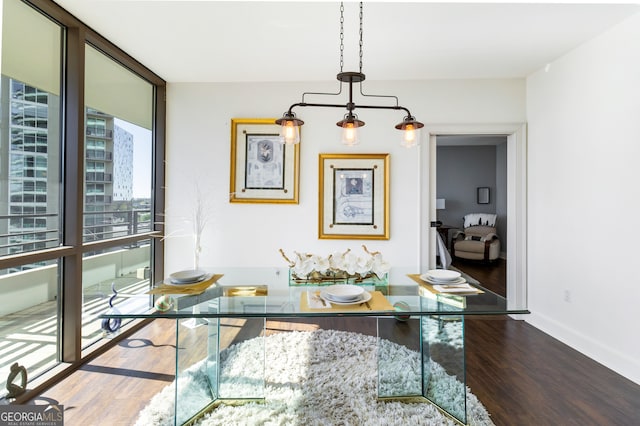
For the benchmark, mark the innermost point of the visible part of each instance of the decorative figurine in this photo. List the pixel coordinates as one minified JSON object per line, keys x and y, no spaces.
{"x":17,"y":390}
{"x":112,"y":325}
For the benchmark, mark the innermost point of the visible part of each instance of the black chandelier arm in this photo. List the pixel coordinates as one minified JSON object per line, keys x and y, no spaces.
{"x":393,"y":107}
{"x":305,"y":104}
{"x":354,"y":107}
{"x":339,"y":92}
{"x":378,"y":96}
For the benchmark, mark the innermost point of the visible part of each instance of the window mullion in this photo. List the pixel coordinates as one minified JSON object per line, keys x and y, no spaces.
{"x":71,"y":350}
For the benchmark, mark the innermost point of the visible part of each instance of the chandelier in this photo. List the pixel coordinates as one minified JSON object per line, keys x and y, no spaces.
{"x":290,"y":124}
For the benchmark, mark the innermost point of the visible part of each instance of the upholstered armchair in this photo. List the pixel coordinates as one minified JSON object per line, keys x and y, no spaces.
{"x":479,"y":240}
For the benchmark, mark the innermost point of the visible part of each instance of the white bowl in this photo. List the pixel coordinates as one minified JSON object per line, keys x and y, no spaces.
{"x":344,"y":292}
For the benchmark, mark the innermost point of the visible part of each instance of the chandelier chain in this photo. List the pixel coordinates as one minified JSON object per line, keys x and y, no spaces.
{"x":361,"y":37}
{"x":341,"y":35}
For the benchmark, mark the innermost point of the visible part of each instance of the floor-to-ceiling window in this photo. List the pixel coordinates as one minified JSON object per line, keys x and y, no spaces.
{"x":30,"y":190}
{"x":117,"y":202}
{"x":81,"y":154}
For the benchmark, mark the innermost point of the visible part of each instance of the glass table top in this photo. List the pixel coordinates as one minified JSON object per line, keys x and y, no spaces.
{"x":266,"y":293}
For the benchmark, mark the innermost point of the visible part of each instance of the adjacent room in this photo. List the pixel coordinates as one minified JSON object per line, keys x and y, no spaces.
{"x":313,"y":212}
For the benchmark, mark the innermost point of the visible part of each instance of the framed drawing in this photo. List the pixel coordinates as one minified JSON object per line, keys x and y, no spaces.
{"x":263,"y":169}
{"x":483,"y":195}
{"x":354,"y":196}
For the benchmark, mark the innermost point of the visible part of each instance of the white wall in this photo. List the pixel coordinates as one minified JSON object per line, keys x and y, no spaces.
{"x":198,"y":150}
{"x":584,"y":198}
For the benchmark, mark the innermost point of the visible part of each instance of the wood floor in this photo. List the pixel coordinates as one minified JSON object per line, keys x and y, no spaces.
{"x":523,"y":376}
{"x":492,"y":276}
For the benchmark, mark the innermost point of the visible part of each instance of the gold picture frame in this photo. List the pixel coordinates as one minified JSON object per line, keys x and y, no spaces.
{"x":263,"y":169}
{"x":354,"y":196}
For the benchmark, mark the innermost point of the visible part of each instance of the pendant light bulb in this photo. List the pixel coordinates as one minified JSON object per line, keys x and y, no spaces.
{"x":350,"y":125}
{"x":410,"y":131}
{"x":409,"y":136}
{"x":290,"y":128}
{"x":290,"y":133}
{"x":350,"y":135}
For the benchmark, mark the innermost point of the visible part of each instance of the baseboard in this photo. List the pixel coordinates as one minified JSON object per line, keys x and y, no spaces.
{"x":602,"y":354}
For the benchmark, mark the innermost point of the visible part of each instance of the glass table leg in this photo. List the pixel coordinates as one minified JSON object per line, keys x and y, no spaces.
{"x":422,"y":359}
{"x":399,"y":362}
{"x":444,"y":380}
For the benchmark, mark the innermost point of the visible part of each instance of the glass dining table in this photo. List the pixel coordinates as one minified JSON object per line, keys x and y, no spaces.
{"x":241,"y":302}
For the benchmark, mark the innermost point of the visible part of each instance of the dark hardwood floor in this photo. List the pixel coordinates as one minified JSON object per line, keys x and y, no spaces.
{"x":523,"y":376}
{"x":493,"y":276}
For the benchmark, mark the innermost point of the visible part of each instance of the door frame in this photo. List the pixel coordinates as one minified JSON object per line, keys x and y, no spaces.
{"x":516,"y":200}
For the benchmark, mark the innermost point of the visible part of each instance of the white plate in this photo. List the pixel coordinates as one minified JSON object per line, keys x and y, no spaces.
{"x":169,"y":281}
{"x":187,"y":277}
{"x":448,"y":282}
{"x":344,"y":292}
{"x":455,"y":289}
{"x":365,"y":297}
{"x":442,"y":274}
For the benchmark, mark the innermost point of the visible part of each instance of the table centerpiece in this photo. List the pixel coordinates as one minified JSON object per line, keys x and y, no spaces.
{"x":343,"y":268}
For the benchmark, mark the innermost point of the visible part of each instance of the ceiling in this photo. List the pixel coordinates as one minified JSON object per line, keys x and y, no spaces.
{"x":242,"y":41}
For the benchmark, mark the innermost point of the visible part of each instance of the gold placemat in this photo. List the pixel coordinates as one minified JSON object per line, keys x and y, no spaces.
{"x":429,"y":286}
{"x":377,"y":303}
{"x":192,"y":289}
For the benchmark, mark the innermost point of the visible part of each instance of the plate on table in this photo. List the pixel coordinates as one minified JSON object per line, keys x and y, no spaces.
{"x":442,"y":275}
{"x":364,"y":297}
{"x":191,"y":276}
{"x":459,"y":280}
{"x":464,"y":288}
{"x":344,"y":292}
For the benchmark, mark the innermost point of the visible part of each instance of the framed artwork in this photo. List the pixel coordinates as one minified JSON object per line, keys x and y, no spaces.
{"x":354,"y":196}
{"x":263,"y":169}
{"x":484,"y":195}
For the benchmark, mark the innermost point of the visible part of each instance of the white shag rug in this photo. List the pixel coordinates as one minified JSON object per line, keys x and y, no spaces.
{"x":322,"y":377}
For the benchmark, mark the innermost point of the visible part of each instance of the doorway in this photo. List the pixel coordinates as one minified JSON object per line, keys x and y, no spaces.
{"x":515,"y":241}
{"x":471,"y":172}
